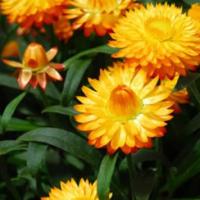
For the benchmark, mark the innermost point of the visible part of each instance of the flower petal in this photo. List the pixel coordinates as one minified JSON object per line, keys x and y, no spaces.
{"x":13,"y":63}
{"x":54,"y":74}
{"x":41,"y":78}
{"x":24,"y":78}
{"x":51,"y":53}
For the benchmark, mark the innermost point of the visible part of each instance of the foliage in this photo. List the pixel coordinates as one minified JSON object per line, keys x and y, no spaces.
{"x":40,"y":145}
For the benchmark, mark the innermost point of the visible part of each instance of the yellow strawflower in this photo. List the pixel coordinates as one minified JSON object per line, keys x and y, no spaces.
{"x":124,"y":109}
{"x":73,"y":191}
{"x":160,"y":39}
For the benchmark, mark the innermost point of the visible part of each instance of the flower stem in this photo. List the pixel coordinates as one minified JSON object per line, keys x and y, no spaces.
{"x":132,"y":172}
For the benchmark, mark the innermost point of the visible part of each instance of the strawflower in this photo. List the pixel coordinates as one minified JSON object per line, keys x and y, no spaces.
{"x":73,"y":191}
{"x":97,"y":15}
{"x":124,"y":110}
{"x":32,"y":12}
{"x":160,"y":39}
{"x":36,"y":67}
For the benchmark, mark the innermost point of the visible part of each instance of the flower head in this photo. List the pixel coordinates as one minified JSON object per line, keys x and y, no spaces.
{"x":32,"y":12}
{"x":124,"y":110}
{"x":63,"y":29}
{"x":36,"y":66}
{"x":73,"y":191}
{"x":96,"y":15}
{"x":160,"y":39}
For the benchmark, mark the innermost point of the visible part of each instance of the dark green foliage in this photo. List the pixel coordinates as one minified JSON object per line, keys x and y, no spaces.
{"x":40,"y":146}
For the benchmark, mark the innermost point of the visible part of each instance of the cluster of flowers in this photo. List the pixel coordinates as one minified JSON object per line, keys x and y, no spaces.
{"x":132,"y":101}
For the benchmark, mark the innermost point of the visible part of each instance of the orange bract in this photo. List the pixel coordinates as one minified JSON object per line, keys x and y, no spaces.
{"x":160,"y":39}
{"x":63,"y":29}
{"x":177,"y":96}
{"x":124,"y":110}
{"x":36,"y":66}
{"x":97,"y":15}
{"x":32,"y":12}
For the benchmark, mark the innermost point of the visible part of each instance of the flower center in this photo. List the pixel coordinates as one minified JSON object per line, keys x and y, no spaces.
{"x":123,"y":101}
{"x":159,"y":29}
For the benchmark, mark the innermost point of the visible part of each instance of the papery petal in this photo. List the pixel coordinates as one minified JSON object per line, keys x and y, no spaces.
{"x":54,"y":74}
{"x":24,"y":78}
{"x":41,"y":78}
{"x":51,"y":53}
{"x":13,"y":63}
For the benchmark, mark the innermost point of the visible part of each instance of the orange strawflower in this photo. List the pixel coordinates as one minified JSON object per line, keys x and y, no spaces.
{"x":177,"y":96}
{"x":32,"y":12}
{"x":36,"y":66}
{"x":63,"y":28}
{"x":124,"y":109}
{"x":97,"y":15}
{"x":73,"y":191}
{"x":160,"y":39}
{"x":11,"y":49}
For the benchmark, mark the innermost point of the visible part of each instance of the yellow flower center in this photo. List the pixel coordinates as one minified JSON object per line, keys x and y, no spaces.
{"x":159,"y":29}
{"x":123,"y":101}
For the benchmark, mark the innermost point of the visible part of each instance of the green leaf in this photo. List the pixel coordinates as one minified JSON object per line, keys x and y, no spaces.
{"x":185,"y":82}
{"x":192,"y":126}
{"x":20,"y":125}
{"x":10,"y":109}
{"x":106,"y":171}
{"x":101,"y":49}
{"x":193,"y":89}
{"x":64,"y":140}
{"x":69,"y":111}
{"x":8,"y":81}
{"x":52,"y":91}
{"x":73,"y":78}
{"x":7,"y":146}
{"x":190,"y":2}
{"x":35,"y":155}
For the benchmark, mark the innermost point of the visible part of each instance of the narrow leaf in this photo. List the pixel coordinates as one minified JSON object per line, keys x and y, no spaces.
{"x":20,"y":125}
{"x":101,"y":49}
{"x":73,"y":78}
{"x":64,"y":140}
{"x":69,"y":111}
{"x":8,"y":146}
{"x":190,"y":2}
{"x":106,"y":171}
{"x":185,"y":82}
{"x":35,"y":155}
{"x":10,"y":109}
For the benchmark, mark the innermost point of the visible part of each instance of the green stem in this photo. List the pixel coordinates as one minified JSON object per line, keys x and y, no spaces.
{"x":100,"y":49}
{"x":132,"y":172}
